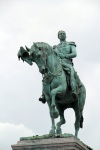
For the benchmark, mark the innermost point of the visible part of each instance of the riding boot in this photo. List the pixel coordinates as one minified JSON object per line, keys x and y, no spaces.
{"x":42,"y":99}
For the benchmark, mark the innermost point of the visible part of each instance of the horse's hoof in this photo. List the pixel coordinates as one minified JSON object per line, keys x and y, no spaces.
{"x":59,"y":131}
{"x":52,"y":133}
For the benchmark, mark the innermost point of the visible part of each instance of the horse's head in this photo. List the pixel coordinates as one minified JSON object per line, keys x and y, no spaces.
{"x":38,"y":56}
{"x":24,"y":55}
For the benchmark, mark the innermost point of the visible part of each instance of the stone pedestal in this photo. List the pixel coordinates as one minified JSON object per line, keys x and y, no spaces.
{"x":68,"y":143}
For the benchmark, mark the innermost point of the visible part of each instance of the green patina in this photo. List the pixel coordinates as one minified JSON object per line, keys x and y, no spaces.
{"x":62,"y":87}
{"x":46,"y":136}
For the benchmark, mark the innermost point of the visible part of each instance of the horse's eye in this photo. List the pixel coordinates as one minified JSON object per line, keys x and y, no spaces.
{"x":39,"y":48}
{"x":39,"y":54}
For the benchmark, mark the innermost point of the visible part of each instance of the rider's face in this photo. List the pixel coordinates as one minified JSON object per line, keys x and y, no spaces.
{"x":62,"y":35}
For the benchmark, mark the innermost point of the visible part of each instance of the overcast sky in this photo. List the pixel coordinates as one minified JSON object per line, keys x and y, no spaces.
{"x":23,"y":22}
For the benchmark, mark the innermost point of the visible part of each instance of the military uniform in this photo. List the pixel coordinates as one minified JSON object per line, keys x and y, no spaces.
{"x":66,"y":48}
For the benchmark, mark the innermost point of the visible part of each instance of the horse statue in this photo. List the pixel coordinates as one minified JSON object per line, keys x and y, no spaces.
{"x":56,"y":91}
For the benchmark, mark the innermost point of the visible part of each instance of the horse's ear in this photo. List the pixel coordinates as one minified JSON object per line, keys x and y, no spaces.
{"x":28,"y":49}
{"x":35,"y":45}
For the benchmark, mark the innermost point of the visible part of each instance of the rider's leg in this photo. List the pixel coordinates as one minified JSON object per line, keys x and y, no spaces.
{"x":72,"y":78}
{"x":73,"y":82}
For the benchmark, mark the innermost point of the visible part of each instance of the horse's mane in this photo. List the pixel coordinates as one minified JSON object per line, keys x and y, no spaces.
{"x":44,"y":46}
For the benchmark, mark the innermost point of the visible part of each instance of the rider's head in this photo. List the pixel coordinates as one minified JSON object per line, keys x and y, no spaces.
{"x":62,"y":35}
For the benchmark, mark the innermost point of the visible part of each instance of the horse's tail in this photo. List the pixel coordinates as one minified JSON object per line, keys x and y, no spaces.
{"x":81,"y":121}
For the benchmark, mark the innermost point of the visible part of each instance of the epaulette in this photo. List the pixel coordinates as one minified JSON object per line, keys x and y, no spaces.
{"x":72,"y":43}
{"x":54,"y":46}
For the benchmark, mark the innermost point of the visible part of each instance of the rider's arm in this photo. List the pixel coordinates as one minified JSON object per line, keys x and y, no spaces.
{"x":73,"y":52}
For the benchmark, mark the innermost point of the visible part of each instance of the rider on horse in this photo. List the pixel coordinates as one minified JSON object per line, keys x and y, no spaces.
{"x":66,"y":51}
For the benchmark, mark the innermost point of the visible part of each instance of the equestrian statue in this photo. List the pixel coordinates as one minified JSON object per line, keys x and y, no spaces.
{"x":62,"y":87}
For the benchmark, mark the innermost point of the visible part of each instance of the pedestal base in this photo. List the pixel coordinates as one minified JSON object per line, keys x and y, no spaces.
{"x":68,"y":143}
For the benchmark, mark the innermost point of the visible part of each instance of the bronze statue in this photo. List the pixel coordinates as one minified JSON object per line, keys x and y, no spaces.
{"x":62,"y":87}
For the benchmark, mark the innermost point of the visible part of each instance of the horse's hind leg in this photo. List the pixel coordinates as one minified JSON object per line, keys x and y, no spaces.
{"x":78,"y":108}
{"x":77,"y":118}
{"x":61,"y":122}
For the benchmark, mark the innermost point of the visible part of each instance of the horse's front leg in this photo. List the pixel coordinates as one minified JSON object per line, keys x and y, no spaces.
{"x":59,"y":89}
{"x":62,"y":120}
{"x":52,"y":131}
{"x":53,"y":127}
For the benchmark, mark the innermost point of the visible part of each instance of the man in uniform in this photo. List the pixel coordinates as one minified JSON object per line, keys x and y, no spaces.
{"x":66,"y":51}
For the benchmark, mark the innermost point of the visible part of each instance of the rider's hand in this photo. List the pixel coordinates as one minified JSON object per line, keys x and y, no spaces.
{"x":61,"y":55}
{"x":67,"y":56}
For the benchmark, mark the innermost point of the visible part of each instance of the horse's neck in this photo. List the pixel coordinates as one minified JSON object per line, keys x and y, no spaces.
{"x":53,"y":63}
